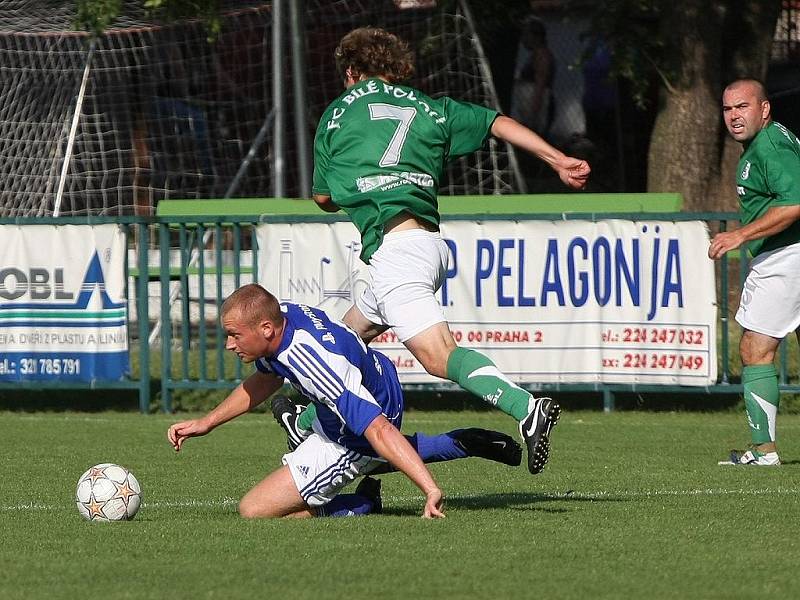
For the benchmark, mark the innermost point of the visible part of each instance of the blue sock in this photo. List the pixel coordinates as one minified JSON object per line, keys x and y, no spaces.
{"x":346,"y":505}
{"x":436,"y":448}
{"x":431,"y":449}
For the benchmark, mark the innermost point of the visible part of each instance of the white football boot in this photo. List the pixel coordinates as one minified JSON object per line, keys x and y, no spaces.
{"x":752,"y":457}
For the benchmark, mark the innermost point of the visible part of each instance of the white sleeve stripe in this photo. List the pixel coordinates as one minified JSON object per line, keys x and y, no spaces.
{"x":320,"y":370}
{"x":321,"y":376}
{"x":308,"y":384}
{"x":325,"y":368}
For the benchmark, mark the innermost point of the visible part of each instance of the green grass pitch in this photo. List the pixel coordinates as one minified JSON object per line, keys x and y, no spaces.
{"x":631,"y":505}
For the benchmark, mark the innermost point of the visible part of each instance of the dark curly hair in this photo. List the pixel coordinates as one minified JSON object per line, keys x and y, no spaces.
{"x":374,"y":52}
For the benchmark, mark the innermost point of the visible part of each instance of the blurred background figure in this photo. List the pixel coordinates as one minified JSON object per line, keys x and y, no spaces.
{"x":601,"y":107}
{"x":532,"y":93}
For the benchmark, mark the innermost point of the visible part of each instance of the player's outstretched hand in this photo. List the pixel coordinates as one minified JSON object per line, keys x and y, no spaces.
{"x":574,"y":172}
{"x":725,"y":242}
{"x":434,"y":505}
{"x":179,"y":432}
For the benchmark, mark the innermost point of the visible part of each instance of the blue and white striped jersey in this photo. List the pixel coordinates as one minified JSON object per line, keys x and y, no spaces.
{"x":350,"y":383}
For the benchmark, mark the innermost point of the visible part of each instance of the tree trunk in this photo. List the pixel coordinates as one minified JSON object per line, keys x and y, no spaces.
{"x":684,"y":149}
{"x":712,"y":43}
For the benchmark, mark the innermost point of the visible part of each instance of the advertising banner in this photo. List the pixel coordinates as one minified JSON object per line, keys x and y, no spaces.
{"x":63,"y":313}
{"x":611,"y":301}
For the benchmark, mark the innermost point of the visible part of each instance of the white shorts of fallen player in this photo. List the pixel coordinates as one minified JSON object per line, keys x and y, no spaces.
{"x":406,"y":272}
{"x":321,"y":468}
{"x":770,"y":302}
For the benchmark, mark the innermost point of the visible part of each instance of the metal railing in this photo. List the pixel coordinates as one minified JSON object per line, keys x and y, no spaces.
{"x":206,"y":258}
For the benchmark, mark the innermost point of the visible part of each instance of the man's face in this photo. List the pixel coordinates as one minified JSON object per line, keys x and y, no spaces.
{"x":744,"y":112}
{"x":249,"y":342}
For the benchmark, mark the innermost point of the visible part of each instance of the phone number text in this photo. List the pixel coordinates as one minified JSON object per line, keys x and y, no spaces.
{"x":50,"y":366}
{"x":659,"y":361}
{"x":657,"y":335}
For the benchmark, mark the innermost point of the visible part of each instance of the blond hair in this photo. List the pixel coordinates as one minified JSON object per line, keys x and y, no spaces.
{"x":254,"y":305}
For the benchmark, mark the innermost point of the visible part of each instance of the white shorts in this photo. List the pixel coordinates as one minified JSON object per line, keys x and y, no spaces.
{"x":770,"y":302}
{"x":321,"y":468}
{"x":406,"y":272}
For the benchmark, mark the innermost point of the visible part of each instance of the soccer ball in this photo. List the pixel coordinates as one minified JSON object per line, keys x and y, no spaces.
{"x":108,"y":492}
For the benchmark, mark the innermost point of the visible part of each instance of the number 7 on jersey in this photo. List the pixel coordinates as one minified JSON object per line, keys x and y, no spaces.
{"x":405,"y":115}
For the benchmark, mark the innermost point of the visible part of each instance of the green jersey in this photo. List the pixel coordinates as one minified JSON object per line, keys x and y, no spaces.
{"x":380,"y":149}
{"x":769,"y":175}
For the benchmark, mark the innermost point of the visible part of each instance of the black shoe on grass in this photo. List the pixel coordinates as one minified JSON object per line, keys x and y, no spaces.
{"x":488,"y":444}
{"x":370,"y":488}
{"x":535,"y":430}
{"x":286,"y":413}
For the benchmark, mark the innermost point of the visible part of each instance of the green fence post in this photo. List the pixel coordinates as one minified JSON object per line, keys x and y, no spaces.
{"x":143,"y":316}
{"x":185,"y":255}
{"x":784,"y":361}
{"x":166,"y":322}
{"x":608,"y":400}
{"x":723,"y":310}
{"x":237,"y":278}
{"x":202,"y":341}
{"x":220,"y":347}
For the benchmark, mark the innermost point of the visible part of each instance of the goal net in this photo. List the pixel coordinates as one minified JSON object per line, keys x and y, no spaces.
{"x":153,"y":110}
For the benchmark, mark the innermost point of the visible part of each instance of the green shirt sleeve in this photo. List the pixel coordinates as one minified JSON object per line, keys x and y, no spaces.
{"x":783,"y":176}
{"x":469,"y":126}
{"x":319,"y":184}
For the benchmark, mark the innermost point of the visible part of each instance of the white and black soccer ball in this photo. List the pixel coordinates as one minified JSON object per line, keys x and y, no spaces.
{"x":108,"y":492}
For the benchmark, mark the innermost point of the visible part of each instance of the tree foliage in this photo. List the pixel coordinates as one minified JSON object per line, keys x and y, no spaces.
{"x":98,"y":15}
{"x":207,"y":10}
{"x":630,"y":29}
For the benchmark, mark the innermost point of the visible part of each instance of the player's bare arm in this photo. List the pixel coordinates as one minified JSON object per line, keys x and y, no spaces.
{"x":387,"y":441}
{"x":246,"y":396}
{"x":573,"y":172}
{"x":775,"y":220}
{"x":326,"y":203}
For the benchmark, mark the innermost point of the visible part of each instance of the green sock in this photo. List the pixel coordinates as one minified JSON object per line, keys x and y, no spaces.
{"x":307,"y":417}
{"x":477,"y":374}
{"x":761,"y":399}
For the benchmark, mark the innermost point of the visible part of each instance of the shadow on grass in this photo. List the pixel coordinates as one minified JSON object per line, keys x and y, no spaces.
{"x":512,"y":500}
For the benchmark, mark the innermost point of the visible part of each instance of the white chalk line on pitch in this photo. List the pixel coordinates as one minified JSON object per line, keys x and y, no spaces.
{"x":604,"y":494}
{"x":161,"y":504}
